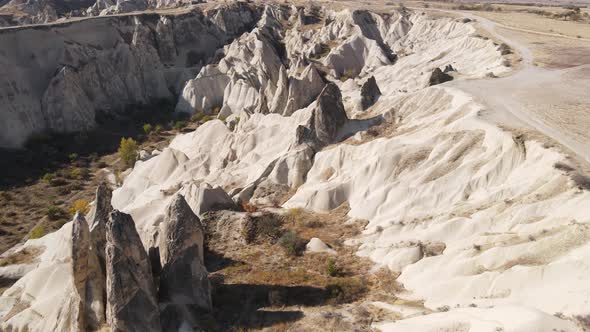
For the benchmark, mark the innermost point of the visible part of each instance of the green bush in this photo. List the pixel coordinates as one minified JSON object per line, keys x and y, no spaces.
{"x":147,"y":128}
{"x":332,"y":269}
{"x":37,"y":232}
{"x":158,"y":129}
{"x":178,"y":125}
{"x":292,"y":243}
{"x":197,"y":116}
{"x":76,"y":173}
{"x":48,"y":177}
{"x":73,"y":156}
{"x":54,"y":213}
{"x":128,"y":151}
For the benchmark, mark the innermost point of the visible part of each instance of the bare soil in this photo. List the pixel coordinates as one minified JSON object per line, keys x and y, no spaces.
{"x":260,"y":286}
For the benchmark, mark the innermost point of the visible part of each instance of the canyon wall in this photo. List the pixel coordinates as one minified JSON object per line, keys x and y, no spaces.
{"x":59,"y":77}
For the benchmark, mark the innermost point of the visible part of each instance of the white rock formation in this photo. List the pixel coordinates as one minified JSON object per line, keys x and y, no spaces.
{"x":317,"y":245}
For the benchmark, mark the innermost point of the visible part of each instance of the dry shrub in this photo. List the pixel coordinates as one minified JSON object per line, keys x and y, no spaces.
{"x":346,"y":289}
{"x":294,"y":215}
{"x":251,"y":208}
{"x":81,"y":205}
{"x":292,"y":243}
{"x":267,"y":227}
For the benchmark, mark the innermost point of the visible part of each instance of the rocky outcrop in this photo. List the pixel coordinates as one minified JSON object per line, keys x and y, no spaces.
{"x":438,"y":77}
{"x":317,"y":245}
{"x":255,"y":75}
{"x":225,"y":229}
{"x":131,"y":294}
{"x":184,"y":282}
{"x":449,"y":68}
{"x":432,"y":248}
{"x":369,"y":93}
{"x":205,"y":92}
{"x":329,"y":114}
{"x":100,"y":216}
{"x":80,"y":258}
{"x":88,"y":276}
{"x":303,"y":89}
{"x":204,"y":198}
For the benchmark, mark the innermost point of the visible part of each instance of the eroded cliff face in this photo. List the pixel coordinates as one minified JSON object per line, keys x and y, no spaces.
{"x":58,"y":78}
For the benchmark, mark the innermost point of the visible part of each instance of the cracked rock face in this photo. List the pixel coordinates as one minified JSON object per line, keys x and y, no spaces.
{"x":369,"y":93}
{"x":131,"y":294}
{"x":184,"y":281}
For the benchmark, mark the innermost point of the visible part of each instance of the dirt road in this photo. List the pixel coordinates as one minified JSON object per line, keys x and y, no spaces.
{"x":554,"y":102}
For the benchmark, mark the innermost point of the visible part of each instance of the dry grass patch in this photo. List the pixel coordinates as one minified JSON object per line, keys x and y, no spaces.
{"x":269,"y":277}
{"x":25,"y":256}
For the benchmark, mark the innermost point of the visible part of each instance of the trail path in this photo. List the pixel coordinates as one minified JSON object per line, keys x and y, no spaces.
{"x":555,"y":102}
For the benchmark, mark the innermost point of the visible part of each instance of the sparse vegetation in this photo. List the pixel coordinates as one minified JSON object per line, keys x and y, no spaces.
{"x":478,"y":7}
{"x":346,"y":289}
{"x":75,"y":173}
{"x":269,"y":226}
{"x":48,"y":178}
{"x":147,"y":128}
{"x":197,"y":116}
{"x":6,"y":196}
{"x":332,"y":269}
{"x":178,"y":125}
{"x":27,"y":255}
{"x":37,"y":232}
{"x":128,"y":151}
{"x":55,"y":213}
{"x":294,"y":215}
